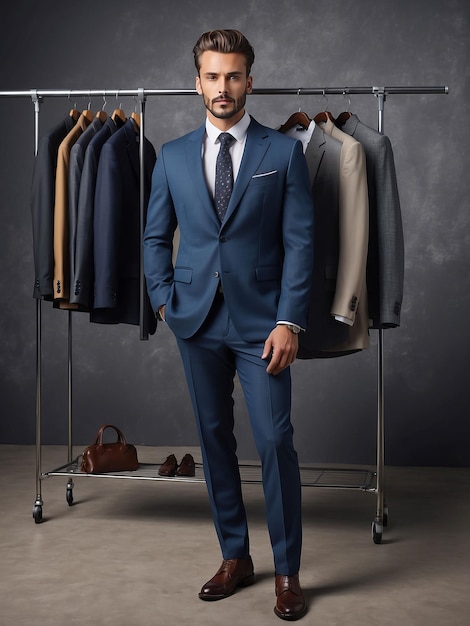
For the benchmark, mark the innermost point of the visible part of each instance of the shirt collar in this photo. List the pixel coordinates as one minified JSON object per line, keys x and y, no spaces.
{"x":239,"y":130}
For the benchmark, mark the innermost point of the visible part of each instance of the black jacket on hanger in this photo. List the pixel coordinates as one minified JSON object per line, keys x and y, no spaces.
{"x":42,"y":206}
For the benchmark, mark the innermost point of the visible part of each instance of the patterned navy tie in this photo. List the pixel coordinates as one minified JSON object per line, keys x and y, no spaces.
{"x":223,"y":175}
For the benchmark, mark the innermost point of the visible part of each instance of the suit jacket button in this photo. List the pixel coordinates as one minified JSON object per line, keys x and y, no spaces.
{"x":223,"y":239}
{"x":216,"y":275}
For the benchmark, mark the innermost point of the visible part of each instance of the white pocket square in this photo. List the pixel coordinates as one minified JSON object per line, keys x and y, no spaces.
{"x":265,"y":174}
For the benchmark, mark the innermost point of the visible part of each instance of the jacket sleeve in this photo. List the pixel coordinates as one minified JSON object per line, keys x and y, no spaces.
{"x":158,"y":236}
{"x":298,"y":225}
{"x":353,"y":231}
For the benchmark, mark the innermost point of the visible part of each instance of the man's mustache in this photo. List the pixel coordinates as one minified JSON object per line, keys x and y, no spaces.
{"x":222,"y":98}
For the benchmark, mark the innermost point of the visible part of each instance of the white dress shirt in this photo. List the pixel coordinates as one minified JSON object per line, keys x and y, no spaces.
{"x":211,"y":147}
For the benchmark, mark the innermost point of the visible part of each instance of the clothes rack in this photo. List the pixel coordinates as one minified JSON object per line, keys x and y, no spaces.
{"x":361,"y":479}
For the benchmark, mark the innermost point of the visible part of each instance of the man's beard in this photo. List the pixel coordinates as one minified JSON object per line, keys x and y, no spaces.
{"x":226,"y":113}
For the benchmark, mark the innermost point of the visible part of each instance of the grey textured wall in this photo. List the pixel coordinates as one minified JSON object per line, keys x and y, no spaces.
{"x":147,"y":43}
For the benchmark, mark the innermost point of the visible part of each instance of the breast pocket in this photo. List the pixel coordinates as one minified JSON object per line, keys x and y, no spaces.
{"x":265,"y":178}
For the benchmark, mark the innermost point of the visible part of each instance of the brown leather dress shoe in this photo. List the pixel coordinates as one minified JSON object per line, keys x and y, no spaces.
{"x":290,"y":604}
{"x":169,"y":467}
{"x":187,"y":467}
{"x":232,"y":573}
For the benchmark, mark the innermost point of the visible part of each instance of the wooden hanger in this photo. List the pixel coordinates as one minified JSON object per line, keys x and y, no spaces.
{"x":323,"y":116}
{"x":102,"y":116}
{"x":136,"y":117}
{"x":342,"y":118}
{"x":345,"y":115}
{"x":118,"y":115}
{"x":74,"y":113}
{"x":299,"y":118}
{"x":88,"y":115}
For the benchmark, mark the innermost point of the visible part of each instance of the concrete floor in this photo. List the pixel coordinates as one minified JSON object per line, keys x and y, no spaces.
{"x":135,"y":553}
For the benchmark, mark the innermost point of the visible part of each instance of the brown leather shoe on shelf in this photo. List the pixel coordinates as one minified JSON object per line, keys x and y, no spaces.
{"x":290,"y":604}
{"x":169,"y":467}
{"x":187,"y":467}
{"x":232,"y":573}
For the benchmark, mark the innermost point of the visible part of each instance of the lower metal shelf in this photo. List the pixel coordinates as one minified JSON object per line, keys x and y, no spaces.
{"x":311,"y":476}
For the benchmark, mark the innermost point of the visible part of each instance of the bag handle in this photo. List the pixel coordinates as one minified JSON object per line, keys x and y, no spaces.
{"x":99,"y":436}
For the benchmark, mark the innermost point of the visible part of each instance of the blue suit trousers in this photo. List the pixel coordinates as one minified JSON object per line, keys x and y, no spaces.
{"x":211,"y":359}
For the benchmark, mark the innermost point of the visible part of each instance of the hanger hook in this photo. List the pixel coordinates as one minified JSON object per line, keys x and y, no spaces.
{"x":348,"y":97}
{"x":70,"y":96}
{"x":326,"y":98}
{"x":104,"y":102}
{"x":300,"y":98}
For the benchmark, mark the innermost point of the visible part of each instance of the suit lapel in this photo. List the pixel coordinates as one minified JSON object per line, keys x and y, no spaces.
{"x":314,"y":153}
{"x":256,"y":146}
{"x":195,"y":168}
{"x":350,"y":125}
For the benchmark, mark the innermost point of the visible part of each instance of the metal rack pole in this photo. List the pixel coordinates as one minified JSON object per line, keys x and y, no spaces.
{"x":142,"y":291}
{"x":318,"y":91}
{"x":381,"y":513}
{"x":69,"y":381}
{"x":37,"y":509}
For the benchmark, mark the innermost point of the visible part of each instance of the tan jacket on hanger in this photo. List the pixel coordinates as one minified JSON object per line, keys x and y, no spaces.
{"x":350,"y":300}
{"x":61,"y":283}
{"x":351,"y":296}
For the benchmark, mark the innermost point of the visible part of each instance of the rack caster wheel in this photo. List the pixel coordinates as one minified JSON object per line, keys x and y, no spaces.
{"x":69,"y":496}
{"x":385,"y":517}
{"x":37,"y":513}
{"x":377,"y":530}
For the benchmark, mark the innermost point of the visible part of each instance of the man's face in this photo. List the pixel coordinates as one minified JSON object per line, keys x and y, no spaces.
{"x":223,"y":84}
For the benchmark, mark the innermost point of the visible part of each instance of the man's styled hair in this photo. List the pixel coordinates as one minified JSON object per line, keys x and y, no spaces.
{"x":224,"y":41}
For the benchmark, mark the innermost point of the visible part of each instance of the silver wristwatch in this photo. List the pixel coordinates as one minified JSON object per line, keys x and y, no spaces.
{"x":294,"y":329}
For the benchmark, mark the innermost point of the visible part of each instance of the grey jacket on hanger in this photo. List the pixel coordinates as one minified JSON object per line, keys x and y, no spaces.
{"x":385,"y":262}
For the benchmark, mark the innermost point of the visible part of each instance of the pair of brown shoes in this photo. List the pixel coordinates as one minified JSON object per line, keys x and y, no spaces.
{"x":170,"y":467}
{"x":234,"y":573}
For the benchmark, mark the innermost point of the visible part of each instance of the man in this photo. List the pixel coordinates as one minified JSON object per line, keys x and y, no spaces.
{"x":235,"y":301}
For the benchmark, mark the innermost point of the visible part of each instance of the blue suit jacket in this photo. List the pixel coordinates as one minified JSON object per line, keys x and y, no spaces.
{"x":82,"y":278}
{"x":117,"y":236}
{"x":262,"y":253}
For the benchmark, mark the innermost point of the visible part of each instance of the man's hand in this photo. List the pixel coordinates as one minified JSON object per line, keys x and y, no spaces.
{"x":281,"y":346}
{"x":161,"y":312}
